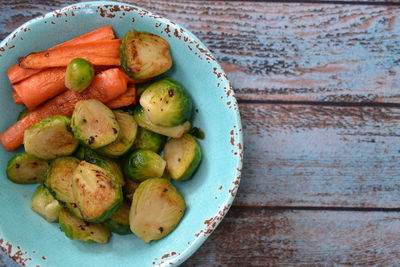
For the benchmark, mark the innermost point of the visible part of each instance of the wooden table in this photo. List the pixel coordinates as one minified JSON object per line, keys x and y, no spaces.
{"x":319,"y":92}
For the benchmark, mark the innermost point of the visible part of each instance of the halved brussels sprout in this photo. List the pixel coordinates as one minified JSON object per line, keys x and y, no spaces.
{"x":86,"y":154}
{"x":141,"y":87}
{"x":183,"y":156}
{"x":119,"y":222}
{"x":126,"y":137}
{"x":50,"y":138}
{"x":148,"y":140}
{"x":79,"y":74}
{"x":166,"y":103}
{"x":23,"y":114}
{"x":143,"y":164}
{"x":59,"y":182}
{"x":78,"y":229}
{"x":44,"y":204}
{"x":97,"y":194}
{"x":177,"y":131}
{"x":144,"y":55}
{"x":26,"y":169}
{"x":94,"y":124}
{"x":129,"y":188}
{"x":157,"y":207}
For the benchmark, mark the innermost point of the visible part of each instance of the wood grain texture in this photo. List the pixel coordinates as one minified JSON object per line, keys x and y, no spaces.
{"x":278,"y":51}
{"x":259,"y":237}
{"x":305,"y":155}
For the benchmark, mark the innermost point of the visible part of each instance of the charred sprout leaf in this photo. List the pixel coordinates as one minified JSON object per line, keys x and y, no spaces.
{"x":183,"y":156}
{"x":26,"y":169}
{"x":59,"y":182}
{"x":23,"y":113}
{"x":44,"y":204}
{"x":166,"y":103}
{"x":50,"y":138}
{"x":79,"y":74}
{"x":157,"y":207}
{"x":119,"y":222}
{"x":129,"y":188}
{"x":197,"y":132}
{"x":126,"y":137}
{"x":144,"y":55}
{"x":97,"y":194}
{"x":89,"y":155}
{"x":94,"y":124}
{"x":143,"y":164}
{"x":175,"y":132}
{"x":78,"y":229}
{"x":148,"y":140}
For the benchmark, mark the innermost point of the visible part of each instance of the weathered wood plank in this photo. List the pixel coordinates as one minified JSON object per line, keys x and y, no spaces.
{"x":258,"y":237}
{"x":261,"y":237}
{"x":278,"y":51}
{"x":299,"y":155}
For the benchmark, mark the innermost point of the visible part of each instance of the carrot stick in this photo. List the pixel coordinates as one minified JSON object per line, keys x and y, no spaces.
{"x":17,"y":74}
{"x":105,"y":52}
{"x":105,"y":87}
{"x":16,"y":97}
{"x":126,"y":99}
{"x":36,"y":89}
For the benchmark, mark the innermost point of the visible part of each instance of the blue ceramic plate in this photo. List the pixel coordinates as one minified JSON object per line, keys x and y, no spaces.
{"x":31,"y":240}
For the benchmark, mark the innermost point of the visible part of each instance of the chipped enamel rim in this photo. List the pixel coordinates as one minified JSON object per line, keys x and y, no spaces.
{"x":236,"y":136}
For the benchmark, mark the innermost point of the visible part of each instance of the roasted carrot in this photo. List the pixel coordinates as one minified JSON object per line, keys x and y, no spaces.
{"x":16,"y":97}
{"x":105,"y":87}
{"x":105,"y":52}
{"x":36,"y":89}
{"x":17,"y":74}
{"x":126,"y":99}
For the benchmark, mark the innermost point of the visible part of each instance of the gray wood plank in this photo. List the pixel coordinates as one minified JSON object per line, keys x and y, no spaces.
{"x":259,"y":237}
{"x":278,"y":51}
{"x":320,"y":156}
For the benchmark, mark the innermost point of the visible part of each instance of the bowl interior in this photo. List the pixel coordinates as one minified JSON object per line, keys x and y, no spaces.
{"x":208,"y":195}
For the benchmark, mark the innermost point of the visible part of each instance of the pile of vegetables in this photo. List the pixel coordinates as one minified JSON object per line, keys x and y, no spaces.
{"x":104,"y":163}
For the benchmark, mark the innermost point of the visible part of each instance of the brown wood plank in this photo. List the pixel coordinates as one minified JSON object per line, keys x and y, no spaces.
{"x":299,"y":155}
{"x":259,"y":237}
{"x":278,"y":51}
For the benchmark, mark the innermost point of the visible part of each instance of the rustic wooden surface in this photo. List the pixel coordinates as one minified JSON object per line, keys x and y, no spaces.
{"x":319,"y":93}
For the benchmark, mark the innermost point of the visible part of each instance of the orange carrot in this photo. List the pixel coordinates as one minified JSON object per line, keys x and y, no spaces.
{"x":104,"y":52}
{"x":105,"y":87}
{"x":16,"y":97}
{"x":17,"y":74}
{"x":126,"y":99}
{"x":36,"y":89}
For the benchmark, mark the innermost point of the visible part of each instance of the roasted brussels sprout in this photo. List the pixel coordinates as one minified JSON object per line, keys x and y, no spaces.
{"x":148,"y":140}
{"x":157,"y":207}
{"x":141,"y":87}
{"x":44,"y":204}
{"x":166,"y":103}
{"x":143,"y":164}
{"x":96,"y":193}
{"x":26,"y":169}
{"x":126,"y":137}
{"x":78,"y":229}
{"x":94,"y":124}
{"x":50,"y":138}
{"x":59,"y":181}
{"x":23,"y":114}
{"x":144,"y":55}
{"x":86,"y":154}
{"x":129,"y":188}
{"x":175,"y":132}
{"x":183,"y":156}
{"x":119,"y":222}
{"x":79,"y":74}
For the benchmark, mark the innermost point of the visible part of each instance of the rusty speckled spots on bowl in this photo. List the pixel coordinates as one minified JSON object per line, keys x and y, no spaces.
{"x":18,"y":256}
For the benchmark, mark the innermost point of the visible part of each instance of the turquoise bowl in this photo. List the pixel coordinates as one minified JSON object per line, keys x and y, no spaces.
{"x":32,"y":241}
